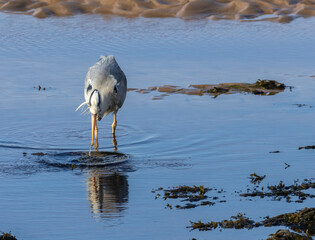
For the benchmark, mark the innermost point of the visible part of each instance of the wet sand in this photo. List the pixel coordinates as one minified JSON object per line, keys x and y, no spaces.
{"x":272,"y":10}
{"x":48,"y":193}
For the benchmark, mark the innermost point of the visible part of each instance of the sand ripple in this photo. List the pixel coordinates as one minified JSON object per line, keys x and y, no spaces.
{"x":243,"y":10}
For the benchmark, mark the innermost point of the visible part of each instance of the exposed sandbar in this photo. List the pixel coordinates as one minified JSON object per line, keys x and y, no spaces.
{"x":260,"y":87}
{"x":242,"y":10}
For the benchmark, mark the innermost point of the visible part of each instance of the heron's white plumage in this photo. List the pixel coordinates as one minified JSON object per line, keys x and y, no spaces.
{"x":81,"y":105}
{"x":104,"y":92}
{"x":107,"y":79}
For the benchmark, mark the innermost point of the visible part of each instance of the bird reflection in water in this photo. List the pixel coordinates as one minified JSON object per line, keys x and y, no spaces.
{"x":108,"y":193}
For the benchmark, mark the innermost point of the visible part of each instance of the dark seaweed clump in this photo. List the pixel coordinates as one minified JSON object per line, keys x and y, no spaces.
{"x":287,"y":235}
{"x":277,"y":151}
{"x":307,"y":147}
{"x":301,"y":221}
{"x":277,"y":192}
{"x":270,"y":84}
{"x":40,"y":87}
{"x":37,"y":154}
{"x":238,"y":222}
{"x":302,"y":105}
{"x":254,"y":178}
{"x":7,"y":236}
{"x":194,"y":195}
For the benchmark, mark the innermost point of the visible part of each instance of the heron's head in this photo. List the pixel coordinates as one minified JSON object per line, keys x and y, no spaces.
{"x":95,"y":103}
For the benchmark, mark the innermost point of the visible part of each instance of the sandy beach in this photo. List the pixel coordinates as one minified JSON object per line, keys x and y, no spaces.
{"x":200,"y":137}
{"x":243,"y":10}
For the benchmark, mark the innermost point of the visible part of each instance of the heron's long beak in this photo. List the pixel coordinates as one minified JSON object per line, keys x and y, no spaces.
{"x":93,"y":125}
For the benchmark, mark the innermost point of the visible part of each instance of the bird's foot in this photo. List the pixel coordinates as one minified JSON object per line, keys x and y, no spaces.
{"x":95,"y":145}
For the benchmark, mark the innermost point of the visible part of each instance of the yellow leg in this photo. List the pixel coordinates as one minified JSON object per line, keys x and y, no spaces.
{"x":113,"y":132}
{"x":93,"y":122}
{"x":96,"y":138}
{"x":94,"y":132}
{"x":114,"y":142}
{"x":114,"y":124}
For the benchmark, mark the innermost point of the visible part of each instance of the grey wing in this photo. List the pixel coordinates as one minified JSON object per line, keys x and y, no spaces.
{"x":106,"y":74}
{"x":120,"y":89}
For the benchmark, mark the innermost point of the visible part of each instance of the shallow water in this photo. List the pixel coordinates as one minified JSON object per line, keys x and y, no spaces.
{"x":178,"y":140}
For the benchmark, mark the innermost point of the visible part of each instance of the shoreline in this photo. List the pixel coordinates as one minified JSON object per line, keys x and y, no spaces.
{"x":282,"y":11}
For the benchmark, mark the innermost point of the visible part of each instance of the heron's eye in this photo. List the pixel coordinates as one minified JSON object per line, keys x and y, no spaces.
{"x":89,"y":88}
{"x":115,"y":89}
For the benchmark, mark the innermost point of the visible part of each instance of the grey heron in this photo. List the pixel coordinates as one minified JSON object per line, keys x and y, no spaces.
{"x":104,"y":92}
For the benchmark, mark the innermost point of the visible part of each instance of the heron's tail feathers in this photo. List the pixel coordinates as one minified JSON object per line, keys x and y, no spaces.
{"x":81,"y":105}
